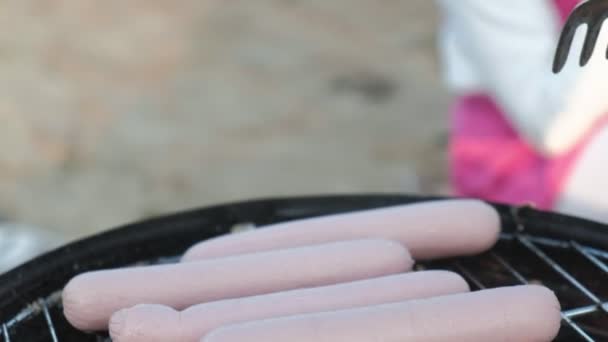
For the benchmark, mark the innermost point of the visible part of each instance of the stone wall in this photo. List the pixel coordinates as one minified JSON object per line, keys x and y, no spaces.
{"x":115,"y":110}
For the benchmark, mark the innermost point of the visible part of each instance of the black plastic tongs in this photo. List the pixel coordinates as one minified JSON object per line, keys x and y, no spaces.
{"x":592,"y":13}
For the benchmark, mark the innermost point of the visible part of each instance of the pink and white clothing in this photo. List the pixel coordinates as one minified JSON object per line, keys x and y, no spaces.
{"x":517,"y":130}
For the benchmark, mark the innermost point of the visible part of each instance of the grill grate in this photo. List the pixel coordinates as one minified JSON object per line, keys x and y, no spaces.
{"x":585,"y":317}
{"x":49,"y":321}
{"x":569,"y":268}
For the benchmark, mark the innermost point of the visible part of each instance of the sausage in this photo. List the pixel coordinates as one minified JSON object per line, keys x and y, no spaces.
{"x":158,"y":323}
{"x":429,"y":230}
{"x":523,"y":314}
{"x":90,"y":299}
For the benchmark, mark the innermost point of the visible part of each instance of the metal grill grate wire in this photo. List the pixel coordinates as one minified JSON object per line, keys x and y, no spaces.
{"x":533,"y":244}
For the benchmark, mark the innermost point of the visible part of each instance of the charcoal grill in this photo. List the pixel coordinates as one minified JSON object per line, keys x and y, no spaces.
{"x":568,"y":255}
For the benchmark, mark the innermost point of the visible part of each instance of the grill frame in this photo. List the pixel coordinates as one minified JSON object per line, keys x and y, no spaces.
{"x":31,"y":291}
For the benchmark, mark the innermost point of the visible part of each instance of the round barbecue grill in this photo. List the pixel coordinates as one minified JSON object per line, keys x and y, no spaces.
{"x":566,"y":254}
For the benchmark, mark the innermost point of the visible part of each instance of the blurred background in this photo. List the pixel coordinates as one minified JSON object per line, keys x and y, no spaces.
{"x":112,"y":111}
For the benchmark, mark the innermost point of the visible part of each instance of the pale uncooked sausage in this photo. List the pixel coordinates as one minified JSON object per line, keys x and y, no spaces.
{"x":522,"y":314}
{"x":91,"y":298}
{"x":158,"y":323}
{"x":429,"y":230}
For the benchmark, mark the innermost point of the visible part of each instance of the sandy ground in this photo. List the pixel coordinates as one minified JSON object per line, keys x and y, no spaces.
{"x":113,"y":110}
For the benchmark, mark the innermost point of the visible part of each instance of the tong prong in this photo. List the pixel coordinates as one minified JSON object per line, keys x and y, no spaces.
{"x":565,"y":44}
{"x":593,"y":32}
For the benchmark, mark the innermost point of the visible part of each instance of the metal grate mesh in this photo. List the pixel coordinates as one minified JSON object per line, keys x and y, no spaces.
{"x":578,"y":274}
